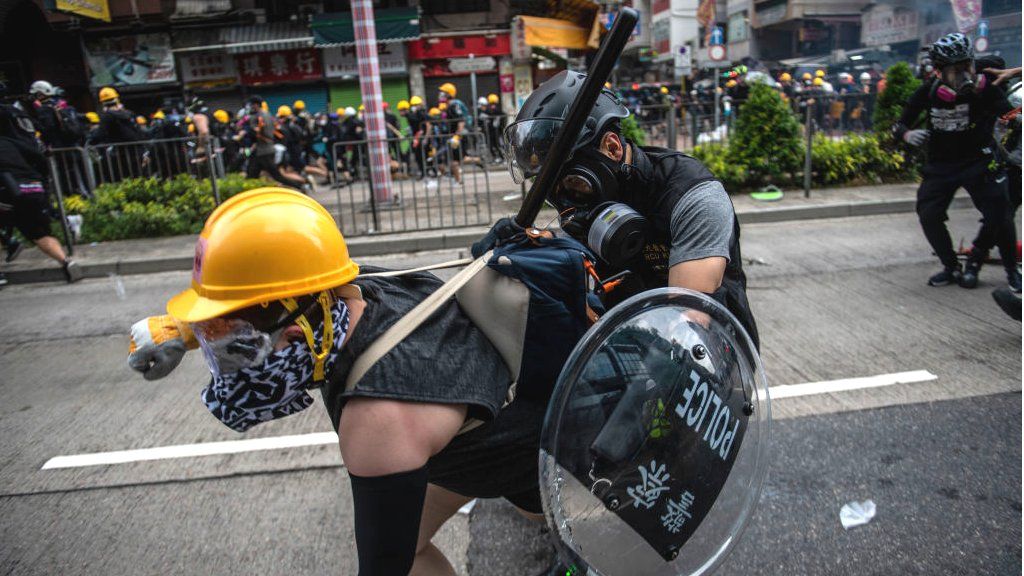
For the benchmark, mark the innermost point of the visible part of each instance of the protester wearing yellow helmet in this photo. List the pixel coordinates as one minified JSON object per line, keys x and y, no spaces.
{"x":493,"y":99}
{"x":434,"y":112}
{"x":402,"y":105}
{"x":117,"y":124}
{"x":140,"y":120}
{"x":284,"y":111}
{"x":415,"y":101}
{"x":221,"y":116}
{"x":806,"y":77}
{"x":92,"y":117}
{"x":159,"y":115}
{"x":494,"y":126}
{"x":276,"y":305}
{"x":785,"y":77}
{"x":442,"y":106}
{"x":819,"y":73}
{"x":448,"y":89}
{"x":108,"y":95}
{"x":663,"y":90}
{"x":298,"y":106}
{"x":818,"y":82}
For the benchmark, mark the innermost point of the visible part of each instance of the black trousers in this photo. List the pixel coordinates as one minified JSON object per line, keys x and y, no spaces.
{"x":265,"y":162}
{"x":988,"y":191}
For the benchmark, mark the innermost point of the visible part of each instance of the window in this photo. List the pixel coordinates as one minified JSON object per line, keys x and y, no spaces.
{"x":738,"y":27}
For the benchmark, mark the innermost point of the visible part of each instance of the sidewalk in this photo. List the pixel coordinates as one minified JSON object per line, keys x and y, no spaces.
{"x":175,"y":253}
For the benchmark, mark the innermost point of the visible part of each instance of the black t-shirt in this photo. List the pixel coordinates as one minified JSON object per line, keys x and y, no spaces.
{"x":961,"y":130}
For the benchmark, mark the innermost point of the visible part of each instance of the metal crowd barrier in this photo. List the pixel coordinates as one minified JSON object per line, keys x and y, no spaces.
{"x":434,"y":185}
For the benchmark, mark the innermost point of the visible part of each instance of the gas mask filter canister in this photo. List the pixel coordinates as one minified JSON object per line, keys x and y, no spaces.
{"x":617,"y":234}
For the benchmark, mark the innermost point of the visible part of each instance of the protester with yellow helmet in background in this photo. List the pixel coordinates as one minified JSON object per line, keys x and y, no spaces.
{"x":417,"y":118}
{"x":283,"y":111}
{"x":92,"y":117}
{"x":117,"y":124}
{"x":264,"y":131}
{"x":492,"y":123}
{"x":276,"y":305}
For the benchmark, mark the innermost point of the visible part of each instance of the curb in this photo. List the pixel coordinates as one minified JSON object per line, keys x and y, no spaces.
{"x":464,"y":237}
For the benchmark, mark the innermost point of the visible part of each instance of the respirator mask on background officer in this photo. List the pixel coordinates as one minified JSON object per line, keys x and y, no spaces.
{"x":591,"y":185}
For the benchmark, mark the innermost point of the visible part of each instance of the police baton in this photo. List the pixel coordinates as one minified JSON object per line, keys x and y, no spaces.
{"x":607,"y":55}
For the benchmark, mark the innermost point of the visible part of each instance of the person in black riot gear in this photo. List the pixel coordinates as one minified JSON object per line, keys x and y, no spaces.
{"x":961,"y":107}
{"x":659,"y":214}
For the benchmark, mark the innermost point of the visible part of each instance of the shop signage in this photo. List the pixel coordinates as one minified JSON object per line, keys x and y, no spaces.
{"x":206,"y":67}
{"x":130,"y":60}
{"x":95,"y":9}
{"x":884,"y":24}
{"x":281,"y":66}
{"x":459,"y":46}
{"x":464,"y":65}
{"x":341,"y":61}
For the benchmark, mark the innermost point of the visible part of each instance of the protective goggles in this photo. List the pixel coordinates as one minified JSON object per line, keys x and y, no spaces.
{"x":245,"y":338}
{"x":527,"y":143}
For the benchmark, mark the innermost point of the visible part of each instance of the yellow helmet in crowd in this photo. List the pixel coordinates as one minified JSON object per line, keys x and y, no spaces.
{"x":299,"y":105}
{"x":663,"y":90}
{"x":448,"y":88}
{"x":108,"y":94}
{"x":340,"y":111}
{"x":159,"y":115}
{"x":819,"y":82}
{"x":221,"y":116}
{"x":785,"y":77}
{"x":819,"y":73}
{"x":730,"y":84}
{"x":264,"y":106}
{"x":140,"y":120}
{"x":493,"y":99}
{"x":402,"y":105}
{"x":442,"y":106}
{"x":415,"y":101}
{"x":92,"y":117}
{"x":434,"y":112}
{"x":806,"y":76}
{"x":246,"y":254}
{"x":361,"y":108}
{"x":284,"y":111}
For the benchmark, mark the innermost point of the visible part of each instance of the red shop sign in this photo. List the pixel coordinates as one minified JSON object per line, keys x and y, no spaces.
{"x":285,"y":65}
{"x":459,"y":46}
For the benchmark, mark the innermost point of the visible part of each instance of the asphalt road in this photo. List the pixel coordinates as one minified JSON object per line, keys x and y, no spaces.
{"x":834,"y":299}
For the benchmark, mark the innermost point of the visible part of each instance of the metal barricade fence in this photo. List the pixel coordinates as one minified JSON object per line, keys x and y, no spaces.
{"x":436,"y":183}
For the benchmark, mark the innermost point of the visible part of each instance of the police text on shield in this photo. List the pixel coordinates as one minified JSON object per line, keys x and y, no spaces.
{"x":699,"y":398}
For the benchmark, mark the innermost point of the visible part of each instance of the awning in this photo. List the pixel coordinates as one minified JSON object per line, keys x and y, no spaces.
{"x":554,"y":33}
{"x":265,"y":37}
{"x":393,"y":25}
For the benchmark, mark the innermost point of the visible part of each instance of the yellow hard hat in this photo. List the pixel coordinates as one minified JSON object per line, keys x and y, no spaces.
{"x":361,"y":107}
{"x":340,"y":111}
{"x":92,"y":117}
{"x":730,"y":83}
{"x":188,"y":119}
{"x":819,"y":82}
{"x":260,"y":246}
{"x":191,"y":128}
{"x":434,"y":112}
{"x":448,"y":88}
{"x":819,"y":73}
{"x":108,"y":94}
{"x":785,"y":77}
{"x":299,"y":105}
{"x":608,"y":85}
{"x":442,"y":106}
{"x":221,"y":116}
{"x":664,"y":90}
{"x":402,"y":105}
{"x":806,"y":76}
{"x":415,"y":101}
{"x":140,"y":120}
{"x":264,"y":106}
{"x":283,"y":111}
{"x":492,"y":99}
{"x":159,"y":115}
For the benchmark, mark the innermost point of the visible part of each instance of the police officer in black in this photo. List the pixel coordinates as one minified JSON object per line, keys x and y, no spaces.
{"x":657,"y":216}
{"x":961,"y":109}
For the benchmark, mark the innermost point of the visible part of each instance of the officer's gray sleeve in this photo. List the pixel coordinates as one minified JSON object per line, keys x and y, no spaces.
{"x":702,"y":224}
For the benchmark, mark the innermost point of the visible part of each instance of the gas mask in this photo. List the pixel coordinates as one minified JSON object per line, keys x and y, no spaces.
{"x":958,"y":80}
{"x":588,"y":209}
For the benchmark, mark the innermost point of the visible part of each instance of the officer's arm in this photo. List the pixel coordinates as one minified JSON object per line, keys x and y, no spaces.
{"x":912,"y":111}
{"x":701,"y":231}
{"x":385,"y":445}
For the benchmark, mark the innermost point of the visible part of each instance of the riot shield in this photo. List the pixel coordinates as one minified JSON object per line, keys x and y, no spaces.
{"x":655,"y":442}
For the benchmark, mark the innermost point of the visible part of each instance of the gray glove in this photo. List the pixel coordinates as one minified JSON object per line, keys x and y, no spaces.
{"x":157,"y":346}
{"x":916,"y":137}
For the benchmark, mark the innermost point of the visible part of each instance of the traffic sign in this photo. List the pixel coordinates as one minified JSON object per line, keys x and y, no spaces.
{"x":483,"y":64}
{"x":717,"y":37}
{"x":983,"y":28}
{"x":716,"y":52}
{"x":981,"y":44}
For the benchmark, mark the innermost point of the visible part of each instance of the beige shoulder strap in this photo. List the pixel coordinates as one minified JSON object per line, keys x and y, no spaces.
{"x":412,"y":320}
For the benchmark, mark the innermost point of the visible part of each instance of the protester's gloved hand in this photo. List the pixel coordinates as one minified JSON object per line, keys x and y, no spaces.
{"x":158,"y":344}
{"x":502,"y":231}
{"x":915,"y":137}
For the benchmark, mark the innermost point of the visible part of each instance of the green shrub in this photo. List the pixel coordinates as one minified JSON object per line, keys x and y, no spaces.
{"x":716,"y":158}
{"x":853,"y":159}
{"x":766,"y":139}
{"x":631,"y":130}
{"x":900,"y":83}
{"x":148,"y":207}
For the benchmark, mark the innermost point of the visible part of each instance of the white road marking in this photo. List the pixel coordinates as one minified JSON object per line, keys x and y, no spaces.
{"x":191,"y":450}
{"x":322,"y":438}
{"x":830,"y":386}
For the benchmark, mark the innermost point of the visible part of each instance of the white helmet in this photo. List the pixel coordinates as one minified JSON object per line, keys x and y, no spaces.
{"x":481,"y":101}
{"x":350,"y":111}
{"x":42,"y":88}
{"x":865,"y":77}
